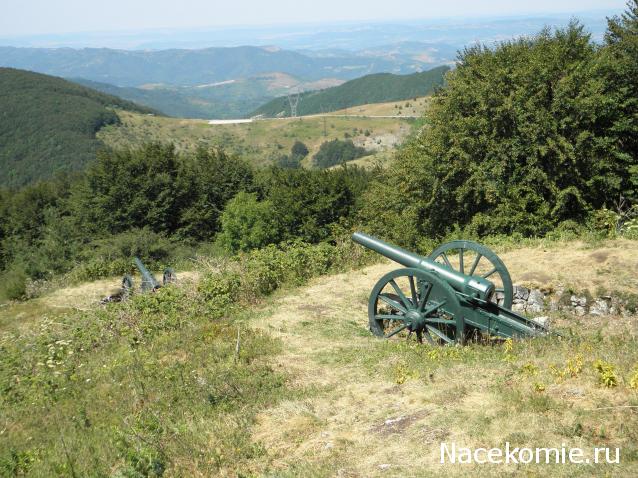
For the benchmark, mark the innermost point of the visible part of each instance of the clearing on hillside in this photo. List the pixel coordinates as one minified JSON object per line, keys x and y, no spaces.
{"x":260,"y":142}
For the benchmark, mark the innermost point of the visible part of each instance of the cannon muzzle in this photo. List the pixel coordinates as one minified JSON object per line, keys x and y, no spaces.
{"x":472,"y":286}
{"x":148,"y":280}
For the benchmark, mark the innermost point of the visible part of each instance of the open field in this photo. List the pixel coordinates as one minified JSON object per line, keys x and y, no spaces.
{"x":334,"y":401}
{"x":260,"y":142}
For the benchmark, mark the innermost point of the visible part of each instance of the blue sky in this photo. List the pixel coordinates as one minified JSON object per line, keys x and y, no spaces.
{"x":29,"y":17}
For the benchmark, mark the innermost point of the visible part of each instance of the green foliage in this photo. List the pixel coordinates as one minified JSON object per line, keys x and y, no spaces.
{"x":377,"y":88}
{"x":523,"y":137}
{"x":332,"y":153}
{"x":308,"y":204}
{"x":49,"y":125}
{"x":153,"y":187}
{"x":247,"y":223}
{"x":13,"y":284}
{"x":155,"y":204}
{"x":299,"y":150}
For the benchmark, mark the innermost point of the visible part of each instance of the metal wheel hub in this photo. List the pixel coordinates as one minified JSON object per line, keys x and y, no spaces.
{"x":416,"y":321}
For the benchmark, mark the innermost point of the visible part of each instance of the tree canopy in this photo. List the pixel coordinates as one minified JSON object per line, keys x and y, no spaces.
{"x":525,"y":135}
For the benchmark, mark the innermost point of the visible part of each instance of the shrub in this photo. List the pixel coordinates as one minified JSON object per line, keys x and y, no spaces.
{"x":524,"y":136}
{"x":219,"y":291}
{"x":13,"y":284}
{"x":336,"y":152}
{"x":299,"y":150}
{"x":247,"y":224}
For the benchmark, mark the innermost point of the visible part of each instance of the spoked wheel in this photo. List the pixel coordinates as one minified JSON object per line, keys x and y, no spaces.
{"x":472,"y":258}
{"x":127,"y":282}
{"x":169,"y":276}
{"x":409,"y":301}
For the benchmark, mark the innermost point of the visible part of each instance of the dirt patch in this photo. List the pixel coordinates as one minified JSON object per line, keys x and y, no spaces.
{"x":600,"y":256}
{"x":537,"y":277}
{"x":399,"y":424}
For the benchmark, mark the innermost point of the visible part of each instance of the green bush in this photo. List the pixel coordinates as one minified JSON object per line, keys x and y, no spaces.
{"x":219,"y":291}
{"x":247,"y":224}
{"x":336,"y":152}
{"x":13,"y":284}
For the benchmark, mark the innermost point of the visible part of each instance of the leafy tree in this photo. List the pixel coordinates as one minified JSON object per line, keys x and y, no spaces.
{"x":132,"y":188}
{"x":299,"y":150}
{"x":618,"y":68}
{"x":336,"y":152}
{"x":308,"y":203}
{"x":209,"y":180}
{"x":517,"y":141}
{"x":247,"y":223}
{"x":286,"y":161}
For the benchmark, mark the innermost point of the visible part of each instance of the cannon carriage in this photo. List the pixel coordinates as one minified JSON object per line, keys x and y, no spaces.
{"x":461,"y":291}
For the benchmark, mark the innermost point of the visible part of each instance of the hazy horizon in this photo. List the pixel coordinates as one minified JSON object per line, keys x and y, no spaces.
{"x":350,"y":34}
{"x":30,"y":18}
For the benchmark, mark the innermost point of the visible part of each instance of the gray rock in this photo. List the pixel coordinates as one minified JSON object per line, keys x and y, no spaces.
{"x":600,"y":307}
{"x":536,"y":297}
{"x":521,"y":292}
{"x":543,"y":320}
{"x":534,"y":308}
{"x":518,"y":307}
{"x":579,"y":300}
{"x":579,"y":310}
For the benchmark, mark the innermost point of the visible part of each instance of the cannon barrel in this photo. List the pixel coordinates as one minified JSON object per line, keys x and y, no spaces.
{"x":472,"y":286}
{"x":148,"y":280}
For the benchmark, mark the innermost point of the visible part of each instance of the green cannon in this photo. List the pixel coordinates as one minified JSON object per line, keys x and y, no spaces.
{"x":149,"y":282}
{"x":461,"y":291}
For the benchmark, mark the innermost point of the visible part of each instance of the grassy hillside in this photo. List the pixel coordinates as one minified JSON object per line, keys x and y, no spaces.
{"x":378,"y":88}
{"x":212,"y":377}
{"x":48,"y":125}
{"x":260,"y":142}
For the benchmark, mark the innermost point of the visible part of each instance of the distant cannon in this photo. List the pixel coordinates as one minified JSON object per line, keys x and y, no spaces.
{"x":462,"y":290}
{"x":149,"y":282}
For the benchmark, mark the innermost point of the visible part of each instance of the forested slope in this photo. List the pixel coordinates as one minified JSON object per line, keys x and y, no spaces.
{"x":48,"y":125}
{"x":378,"y":88}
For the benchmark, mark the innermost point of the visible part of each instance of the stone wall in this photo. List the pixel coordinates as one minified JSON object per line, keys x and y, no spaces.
{"x":536,"y":301}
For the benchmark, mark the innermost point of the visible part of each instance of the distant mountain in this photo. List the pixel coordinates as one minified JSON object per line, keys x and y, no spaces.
{"x":196,"y":67}
{"x":223,"y":100}
{"x":377,"y":88}
{"x":48,"y":125}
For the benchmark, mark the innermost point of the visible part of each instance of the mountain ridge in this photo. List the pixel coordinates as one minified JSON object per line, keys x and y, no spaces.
{"x":375,"y":88}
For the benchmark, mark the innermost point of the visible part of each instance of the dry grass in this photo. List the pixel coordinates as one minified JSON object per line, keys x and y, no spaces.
{"x":611,"y":266}
{"x":416,"y":108}
{"x":16,"y":316}
{"x":359,"y":418}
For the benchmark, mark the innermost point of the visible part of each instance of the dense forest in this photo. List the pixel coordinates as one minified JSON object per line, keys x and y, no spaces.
{"x":377,"y":88}
{"x":48,"y":125}
{"x":155,"y":203}
{"x":528,"y":137}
